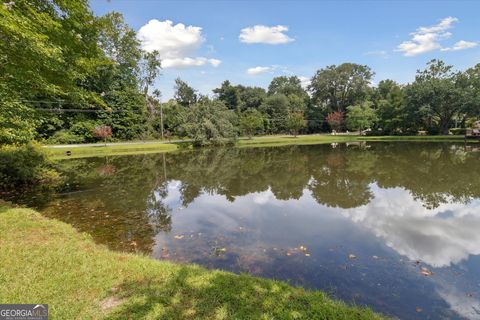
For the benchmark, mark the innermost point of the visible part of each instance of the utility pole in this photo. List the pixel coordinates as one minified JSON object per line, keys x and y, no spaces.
{"x":158,"y":95}
{"x":161,"y":119}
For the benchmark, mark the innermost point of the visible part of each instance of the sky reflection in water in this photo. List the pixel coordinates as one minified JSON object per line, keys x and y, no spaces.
{"x":357,"y":221}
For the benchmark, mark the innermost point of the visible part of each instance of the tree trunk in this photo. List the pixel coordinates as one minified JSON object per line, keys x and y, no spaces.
{"x":444,"y":128}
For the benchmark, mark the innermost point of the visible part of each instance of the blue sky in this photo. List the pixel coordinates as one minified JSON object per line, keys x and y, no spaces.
{"x":201,"y":42}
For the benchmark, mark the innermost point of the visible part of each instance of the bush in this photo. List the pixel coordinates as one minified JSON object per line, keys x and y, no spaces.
{"x":84,"y":129}
{"x":65,"y":137}
{"x":458,"y":131}
{"x":209,"y":123}
{"x":375,"y":132}
{"x":433,"y":130}
{"x":25,"y":165}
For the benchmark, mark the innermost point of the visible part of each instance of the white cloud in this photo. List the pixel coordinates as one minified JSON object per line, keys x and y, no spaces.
{"x":258,"y":70}
{"x":214,"y":62}
{"x":189,"y":62}
{"x":170,"y":40}
{"x":426,"y":39}
{"x":304,"y":81}
{"x":439,"y":237}
{"x":381,"y":53}
{"x":175,"y":43}
{"x":461,"y":45}
{"x":443,"y":25}
{"x":265,"y":34}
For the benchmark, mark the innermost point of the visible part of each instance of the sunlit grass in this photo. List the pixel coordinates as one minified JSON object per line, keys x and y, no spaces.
{"x":111,"y":150}
{"x":47,"y":261}
{"x":259,"y":141}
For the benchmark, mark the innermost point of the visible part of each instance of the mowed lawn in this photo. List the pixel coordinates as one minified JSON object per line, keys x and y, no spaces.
{"x":48,"y":261}
{"x":79,"y":151}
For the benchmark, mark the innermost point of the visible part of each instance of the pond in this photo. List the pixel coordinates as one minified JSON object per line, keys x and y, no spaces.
{"x":395,"y":226}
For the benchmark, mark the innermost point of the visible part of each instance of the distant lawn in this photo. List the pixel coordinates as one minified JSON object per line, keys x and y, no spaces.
{"x":111,"y":150}
{"x":47,"y":261}
{"x":258,"y":141}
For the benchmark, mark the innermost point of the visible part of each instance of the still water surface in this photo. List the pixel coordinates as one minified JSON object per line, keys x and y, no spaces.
{"x":395,"y":226}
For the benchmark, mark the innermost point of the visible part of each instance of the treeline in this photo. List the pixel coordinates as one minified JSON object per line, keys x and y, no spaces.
{"x":67,"y":76}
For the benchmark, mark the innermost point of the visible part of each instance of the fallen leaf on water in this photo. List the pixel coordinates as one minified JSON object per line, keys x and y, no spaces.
{"x":375,"y":257}
{"x":178,"y":237}
{"x":307,"y":254}
{"x":424,"y":271}
{"x":418,"y":309}
{"x":352,"y":256}
{"x":219,"y":251}
{"x":302,"y":248}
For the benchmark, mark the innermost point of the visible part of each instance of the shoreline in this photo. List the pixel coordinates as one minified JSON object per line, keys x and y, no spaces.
{"x":48,"y":261}
{"x":58,"y":152}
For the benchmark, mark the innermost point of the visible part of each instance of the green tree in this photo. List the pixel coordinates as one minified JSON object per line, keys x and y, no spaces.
{"x":437,"y":94}
{"x":360,"y":117}
{"x":287,"y":86}
{"x":251,"y":97}
{"x":18,"y":126}
{"x":127,"y":115}
{"x":48,"y":52}
{"x":471,"y":82}
{"x":337,"y":87}
{"x":390,"y":105}
{"x":209,"y":122}
{"x":184,"y":94}
{"x":149,"y":71}
{"x":55,"y":39}
{"x":276,"y":109}
{"x":295,"y":122}
{"x":120,"y":44}
{"x":228,"y":94}
{"x":251,"y":121}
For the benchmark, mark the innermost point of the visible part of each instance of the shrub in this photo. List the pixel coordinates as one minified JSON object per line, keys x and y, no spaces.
{"x":458,"y":131}
{"x":65,"y":137}
{"x":433,"y":130}
{"x":25,"y":165}
{"x":84,"y":129}
{"x":209,"y":123}
{"x":103,"y":132}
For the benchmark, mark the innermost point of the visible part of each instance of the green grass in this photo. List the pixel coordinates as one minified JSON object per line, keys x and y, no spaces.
{"x":111,"y":150}
{"x":47,"y":261}
{"x":261,"y":141}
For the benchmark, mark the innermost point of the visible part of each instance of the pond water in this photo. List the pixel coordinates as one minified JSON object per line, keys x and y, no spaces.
{"x":395,"y":226}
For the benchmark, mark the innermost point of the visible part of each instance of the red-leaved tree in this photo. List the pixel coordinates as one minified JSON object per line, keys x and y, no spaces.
{"x":336,"y":120}
{"x":103,"y":132}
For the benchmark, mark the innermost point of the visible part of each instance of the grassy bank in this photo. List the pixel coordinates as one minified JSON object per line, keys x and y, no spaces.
{"x":47,"y":261}
{"x":159,"y":146}
{"x":110,"y":150}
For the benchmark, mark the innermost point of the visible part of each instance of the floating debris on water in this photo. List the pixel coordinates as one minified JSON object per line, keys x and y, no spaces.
{"x":351,"y":256}
{"x":424,"y":271}
{"x":179,"y":237}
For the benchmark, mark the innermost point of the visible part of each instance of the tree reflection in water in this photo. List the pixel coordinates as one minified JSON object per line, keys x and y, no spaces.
{"x":250,"y":209}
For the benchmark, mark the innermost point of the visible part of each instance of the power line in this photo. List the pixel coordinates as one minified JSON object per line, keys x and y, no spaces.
{"x":76,"y":110}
